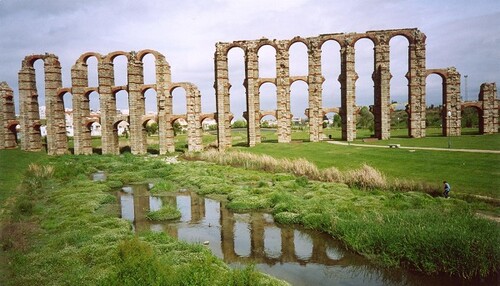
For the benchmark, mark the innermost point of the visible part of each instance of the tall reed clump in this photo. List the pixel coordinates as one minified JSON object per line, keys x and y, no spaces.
{"x":365,"y":178}
{"x":36,"y":175}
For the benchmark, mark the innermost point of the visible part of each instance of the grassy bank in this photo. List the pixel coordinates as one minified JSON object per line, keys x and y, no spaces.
{"x":468,"y":173}
{"x":63,"y":229}
{"x":13,"y":163}
{"x":411,"y":230}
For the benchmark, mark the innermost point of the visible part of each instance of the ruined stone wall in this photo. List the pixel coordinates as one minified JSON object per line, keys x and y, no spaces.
{"x":314,"y":79}
{"x":8,"y":122}
{"x":107,"y":90}
{"x":57,"y":142}
{"x":488,"y":120}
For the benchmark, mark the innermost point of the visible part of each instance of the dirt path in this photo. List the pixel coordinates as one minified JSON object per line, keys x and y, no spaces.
{"x":415,"y":148}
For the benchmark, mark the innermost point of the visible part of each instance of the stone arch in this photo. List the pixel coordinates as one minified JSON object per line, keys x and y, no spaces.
{"x":8,"y":122}
{"x":56,"y":134}
{"x":84,"y":57}
{"x":451,"y":99}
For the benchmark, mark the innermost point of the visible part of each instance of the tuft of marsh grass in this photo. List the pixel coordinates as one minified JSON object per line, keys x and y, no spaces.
{"x":166,"y":212}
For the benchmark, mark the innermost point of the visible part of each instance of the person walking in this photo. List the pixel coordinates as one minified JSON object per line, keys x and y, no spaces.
{"x":447,"y":189}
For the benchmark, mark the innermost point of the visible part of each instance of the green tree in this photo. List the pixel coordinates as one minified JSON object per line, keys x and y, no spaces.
{"x":240,"y":123}
{"x":152,"y":128}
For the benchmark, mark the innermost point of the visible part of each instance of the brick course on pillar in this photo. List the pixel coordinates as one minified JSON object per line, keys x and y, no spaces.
{"x":452,"y":103}
{"x":315,"y":83}
{"x":347,"y":78}
{"x":82,"y":139}
{"x":283,"y":113}
{"x":28,"y":98}
{"x":382,"y":78}
{"x":138,"y":134}
{"x":252,"y":93}
{"x":57,"y":142}
{"x":108,"y":107}
{"x":488,"y":121}
{"x":416,"y":87}
{"x":8,"y":122}
{"x":221,"y":86}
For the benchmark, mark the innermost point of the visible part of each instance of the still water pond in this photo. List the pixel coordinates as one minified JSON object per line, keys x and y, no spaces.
{"x":294,"y":254}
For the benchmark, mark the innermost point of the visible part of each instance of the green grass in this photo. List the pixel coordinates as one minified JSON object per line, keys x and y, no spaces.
{"x":472,"y":173}
{"x":166,"y":212}
{"x":64,"y":230}
{"x":411,"y":230}
{"x":13,"y":164}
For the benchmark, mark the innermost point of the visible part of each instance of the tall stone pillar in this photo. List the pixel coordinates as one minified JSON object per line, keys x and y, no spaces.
{"x":108,"y":107}
{"x":30,"y":117}
{"x":252,"y":94}
{"x":347,"y":78}
{"x":488,"y":121}
{"x":416,"y":86}
{"x":81,"y":110}
{"x":193,"y":99}
{"x":382,"y":79}
{"x":163,"y":81}
{"x":315,"y":82}
{"x":283,"y":111}
{"x":57,"y":142}
{"x":222,"y":97}
{"x":452,"y":104}
{"x":227,"y":235}
{"x":138,"y":134}
{"x":8,"y":121}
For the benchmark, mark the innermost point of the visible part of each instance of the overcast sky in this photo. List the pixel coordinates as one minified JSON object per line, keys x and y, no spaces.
{"x":464,"y":34}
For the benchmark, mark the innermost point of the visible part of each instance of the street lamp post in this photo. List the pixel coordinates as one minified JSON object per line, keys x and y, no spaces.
{"x":449,"y":128}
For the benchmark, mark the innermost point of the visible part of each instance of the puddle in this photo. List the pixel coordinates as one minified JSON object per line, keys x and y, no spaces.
{"x":99,"y":176}
{"x":297,"y":255}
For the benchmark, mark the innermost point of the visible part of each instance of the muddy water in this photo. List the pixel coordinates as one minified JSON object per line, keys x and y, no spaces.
{"x":297,"y":255}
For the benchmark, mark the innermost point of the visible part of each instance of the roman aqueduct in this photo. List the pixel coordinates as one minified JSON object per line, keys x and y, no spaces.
{"x":57,"y":140}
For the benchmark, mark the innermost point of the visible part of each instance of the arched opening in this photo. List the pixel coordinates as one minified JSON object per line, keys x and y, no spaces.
{"x":298,"y":103}
{"x":95,"y":129}
{"x":365,"y":97}
{"x":209,"y":127}
{"x":179,"y":101}
{"x":39,"y":67}
{"x":330,"y":68}
{"x":298,"y":55}
{"x":268,"y":128}
{"x":332,"y":127}
{"x":92,"y":72}
{"x":237,"y":94}
{"x":434,"y":117}
{"x":180,"y":133}
{"x":149,"y":69}
{"x":14,"y":131}
{"x":399,"y":86}
{"x":68,"y":113}
{"x":151,"y":127}
{"x":120,"y":63}
{"x":122,"y":132}
{"x":470,"y":120}
{"x":94,"y":103}
{"x":122,"y":103}
{"x":151,"y":102}
{"x":268,"y":98}
{"x":267,"y":61}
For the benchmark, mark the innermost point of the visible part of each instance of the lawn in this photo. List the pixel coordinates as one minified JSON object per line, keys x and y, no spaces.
{"x":13,"y":163}
{"x":473,"y":173}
